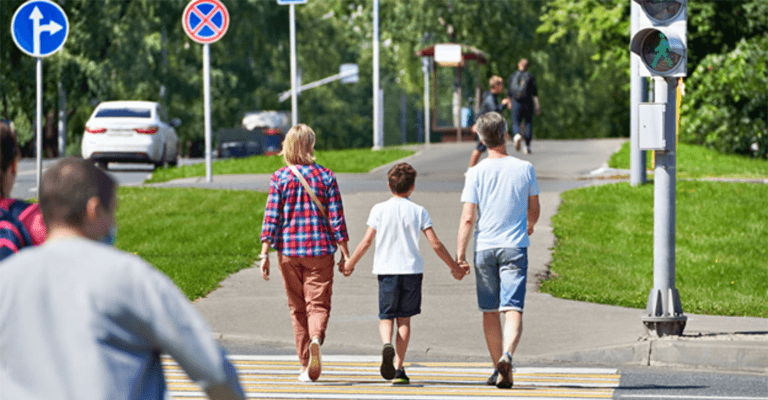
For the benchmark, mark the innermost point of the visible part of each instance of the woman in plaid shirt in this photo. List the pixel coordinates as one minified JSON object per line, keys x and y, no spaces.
{"x":296,"y":228}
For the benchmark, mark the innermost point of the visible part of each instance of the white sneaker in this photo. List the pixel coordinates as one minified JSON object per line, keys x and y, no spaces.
{"x":304,"y":377}
{"x":527,"y":150}
{"x":315,"y":365}
{"x":517,"y":140}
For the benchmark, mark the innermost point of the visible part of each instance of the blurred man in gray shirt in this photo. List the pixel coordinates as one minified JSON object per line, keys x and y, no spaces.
{"x":82,"y":320}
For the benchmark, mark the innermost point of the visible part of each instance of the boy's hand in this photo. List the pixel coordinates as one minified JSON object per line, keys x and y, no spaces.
{"x":458,"y":274}
{"x":345,"y":267}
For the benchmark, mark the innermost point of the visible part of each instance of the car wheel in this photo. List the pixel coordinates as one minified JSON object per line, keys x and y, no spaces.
{"x":175,"y":161}
{"x":161,"y":162}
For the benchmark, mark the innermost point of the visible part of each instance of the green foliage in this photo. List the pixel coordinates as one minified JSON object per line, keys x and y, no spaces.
{"x":605,"y":234}
{"x":338,"y":161}
{"x":197,"y":237}
{"x":695,"y":161}
{"x":137,"y":50}
{"x":726,"y":106}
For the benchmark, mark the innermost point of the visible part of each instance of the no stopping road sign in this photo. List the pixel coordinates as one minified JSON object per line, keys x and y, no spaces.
{"x":205,"y":21}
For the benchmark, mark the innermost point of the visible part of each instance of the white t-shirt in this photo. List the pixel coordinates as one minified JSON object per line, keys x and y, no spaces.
{"x":500,"y":189}
{"x":398,"y":223}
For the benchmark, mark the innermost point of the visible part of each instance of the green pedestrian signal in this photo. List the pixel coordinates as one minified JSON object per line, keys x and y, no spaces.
{"x":660,"y":38}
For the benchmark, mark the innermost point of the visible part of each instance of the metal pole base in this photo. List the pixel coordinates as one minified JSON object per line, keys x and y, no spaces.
{"x":664,"y":313}
{"x":665,"y":326}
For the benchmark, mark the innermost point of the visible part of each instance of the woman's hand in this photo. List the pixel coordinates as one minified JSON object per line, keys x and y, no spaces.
{"x":264,"y":267}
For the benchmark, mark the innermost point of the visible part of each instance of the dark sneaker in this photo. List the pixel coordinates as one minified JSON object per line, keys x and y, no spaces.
{"x":504,"y":366}
{"x":387,"y":367}
{"x":492,"y":380}
{"x":401,"y":378}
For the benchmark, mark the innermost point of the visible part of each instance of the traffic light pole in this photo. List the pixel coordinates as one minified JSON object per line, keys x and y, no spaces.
{"x":664,"y":312}
{"x":638,"y":94}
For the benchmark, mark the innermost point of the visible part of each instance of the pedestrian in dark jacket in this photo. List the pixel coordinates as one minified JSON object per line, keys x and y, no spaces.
{"x":490,"y":103}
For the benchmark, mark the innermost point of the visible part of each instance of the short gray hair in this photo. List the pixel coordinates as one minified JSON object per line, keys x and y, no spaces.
{"x":492,"y":129}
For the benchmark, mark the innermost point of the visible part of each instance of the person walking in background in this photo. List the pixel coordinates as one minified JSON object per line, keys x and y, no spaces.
{"x":395,"y":225}
{"x":304,"y":222}
{"x":504,"y":193}
{"x":21,"y":223}
{"x":80,"y":319}
{"x":525,"y":101}
{"x":490,"y":103}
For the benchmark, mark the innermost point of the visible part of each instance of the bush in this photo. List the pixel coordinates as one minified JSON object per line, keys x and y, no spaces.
{"x":726,"y":106}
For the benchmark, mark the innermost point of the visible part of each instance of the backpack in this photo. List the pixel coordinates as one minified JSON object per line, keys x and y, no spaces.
{"x":518,"y":85}
{"x":13,"y":234}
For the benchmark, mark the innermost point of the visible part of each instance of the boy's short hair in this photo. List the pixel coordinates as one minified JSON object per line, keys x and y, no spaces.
{"x":495,"y":80}
{"x":66,"y":188}
{"x":492,"y":129}
{"x":401,"y":177}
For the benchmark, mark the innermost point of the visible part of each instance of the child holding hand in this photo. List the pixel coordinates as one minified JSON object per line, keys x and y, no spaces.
{"x":395,"y":225}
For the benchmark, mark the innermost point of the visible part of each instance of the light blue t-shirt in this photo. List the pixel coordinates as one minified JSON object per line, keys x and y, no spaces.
{"x":500,"y":189}
{"x":398,"y":223}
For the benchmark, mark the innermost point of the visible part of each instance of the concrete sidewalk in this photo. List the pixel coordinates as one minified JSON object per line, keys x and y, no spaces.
{"x":248,"y":310}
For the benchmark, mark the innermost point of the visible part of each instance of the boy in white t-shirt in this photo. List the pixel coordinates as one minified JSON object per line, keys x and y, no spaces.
{"x":395,"y":224}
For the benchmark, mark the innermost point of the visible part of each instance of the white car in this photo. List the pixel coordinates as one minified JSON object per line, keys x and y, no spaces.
{"x":130,"y":131}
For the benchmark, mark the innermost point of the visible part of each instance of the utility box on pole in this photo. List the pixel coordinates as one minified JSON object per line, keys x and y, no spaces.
{"x":660,"y":41}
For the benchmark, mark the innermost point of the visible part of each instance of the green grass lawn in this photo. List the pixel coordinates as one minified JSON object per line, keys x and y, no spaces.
{"x":338,"y":161}
{"x":197,"y":237}
{"x":604,"y":247}
{"x":700,"y":162}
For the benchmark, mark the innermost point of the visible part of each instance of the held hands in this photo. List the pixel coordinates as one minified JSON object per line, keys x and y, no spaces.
{"x":345,"y":266}
{"x":462,"y":271}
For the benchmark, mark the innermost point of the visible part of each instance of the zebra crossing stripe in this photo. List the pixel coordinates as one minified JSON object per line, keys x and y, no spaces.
{"x":353,"y":377}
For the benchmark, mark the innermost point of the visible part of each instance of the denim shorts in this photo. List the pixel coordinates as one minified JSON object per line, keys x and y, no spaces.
{"x":501,"y":275}
{"x":399,"y":295}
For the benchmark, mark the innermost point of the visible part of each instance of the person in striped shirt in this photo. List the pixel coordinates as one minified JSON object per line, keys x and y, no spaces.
{"x":305,"y":242}
{"x":21,"y":222}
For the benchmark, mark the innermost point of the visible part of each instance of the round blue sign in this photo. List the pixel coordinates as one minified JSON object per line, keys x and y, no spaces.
{"x":39,"y":28}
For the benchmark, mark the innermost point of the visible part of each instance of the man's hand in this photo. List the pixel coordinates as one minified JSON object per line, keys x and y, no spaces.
{"x":530,"y":230}
{"x":507,"y":102}
{"x":462,"y":271}
{"x":264,"y":267}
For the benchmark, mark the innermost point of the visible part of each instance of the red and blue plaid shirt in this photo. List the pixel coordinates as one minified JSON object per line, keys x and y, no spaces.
{"x":292,"y":221}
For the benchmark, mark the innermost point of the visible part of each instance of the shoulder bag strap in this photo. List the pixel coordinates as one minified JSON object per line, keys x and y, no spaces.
{"x":317,"y":202}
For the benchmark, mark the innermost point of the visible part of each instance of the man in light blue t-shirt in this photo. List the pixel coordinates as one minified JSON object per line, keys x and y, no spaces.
{"x":504,"y":192}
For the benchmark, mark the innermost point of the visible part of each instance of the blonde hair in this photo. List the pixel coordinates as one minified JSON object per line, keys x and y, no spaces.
{"x":299,"y":146}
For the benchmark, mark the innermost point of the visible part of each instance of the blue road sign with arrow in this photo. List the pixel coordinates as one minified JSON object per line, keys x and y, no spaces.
{"x":39,"y":28}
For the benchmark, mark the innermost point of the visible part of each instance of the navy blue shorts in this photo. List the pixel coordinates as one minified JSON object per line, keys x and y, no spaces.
{"x":399,"y":295}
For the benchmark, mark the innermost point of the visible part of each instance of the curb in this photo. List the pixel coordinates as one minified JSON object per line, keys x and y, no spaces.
{"x":389,"y":165}
{"x":721,"y":355}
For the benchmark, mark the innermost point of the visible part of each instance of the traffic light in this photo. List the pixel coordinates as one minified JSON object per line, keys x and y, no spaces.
{"x":660,"y":39}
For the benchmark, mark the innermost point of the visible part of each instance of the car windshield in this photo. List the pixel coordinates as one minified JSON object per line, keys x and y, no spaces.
{"x":124,"y":112}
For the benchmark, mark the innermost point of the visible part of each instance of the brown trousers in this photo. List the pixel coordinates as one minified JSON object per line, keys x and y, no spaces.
{"x":308,"y":282}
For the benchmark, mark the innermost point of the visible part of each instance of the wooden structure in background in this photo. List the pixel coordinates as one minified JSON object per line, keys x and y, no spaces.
{"x":456,"y":132}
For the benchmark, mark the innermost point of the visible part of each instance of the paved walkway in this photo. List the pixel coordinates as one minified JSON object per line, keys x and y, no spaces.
{"x":247,"y":310}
